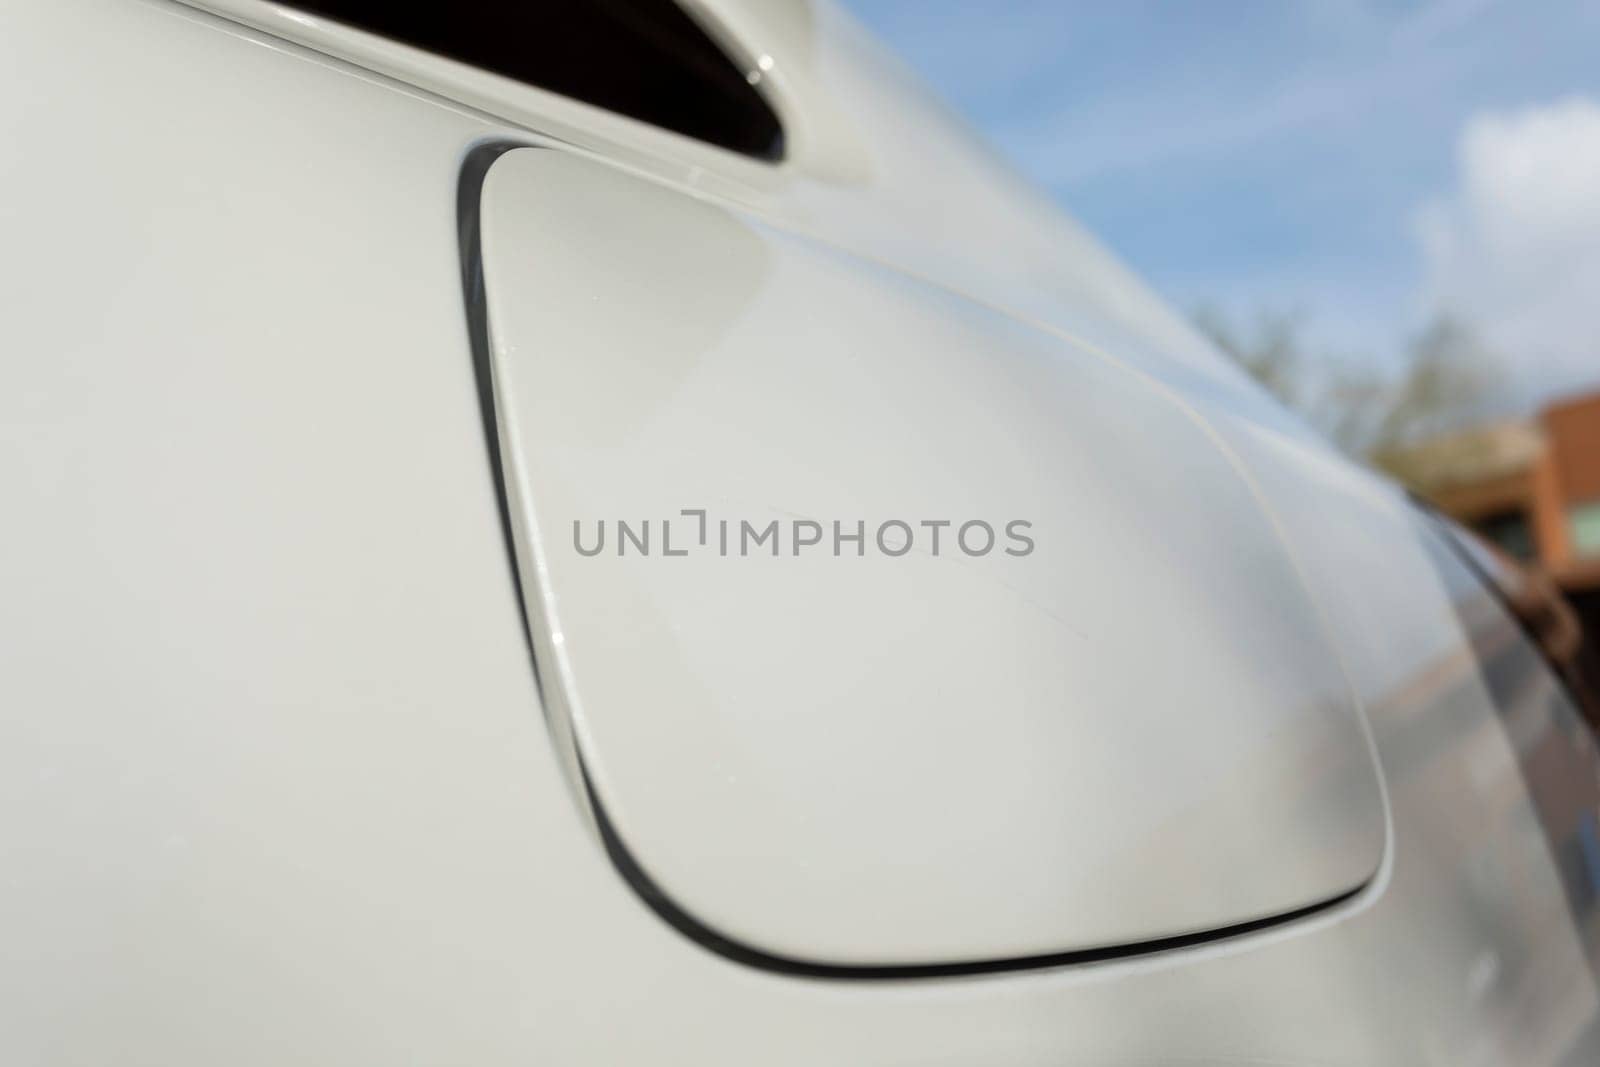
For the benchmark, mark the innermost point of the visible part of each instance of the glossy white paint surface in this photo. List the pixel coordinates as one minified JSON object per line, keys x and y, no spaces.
{"x":863,"y":138}
{"x":897,"y":751}
{"x":275,"y":785}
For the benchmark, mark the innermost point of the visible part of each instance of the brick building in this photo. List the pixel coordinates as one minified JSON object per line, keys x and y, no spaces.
{"x":1531,"y":487}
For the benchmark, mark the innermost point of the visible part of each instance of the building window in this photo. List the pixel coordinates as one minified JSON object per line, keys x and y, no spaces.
{"x":1584,"y":520}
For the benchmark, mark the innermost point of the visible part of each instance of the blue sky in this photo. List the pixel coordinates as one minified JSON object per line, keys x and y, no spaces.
{"x":1356,"y":161}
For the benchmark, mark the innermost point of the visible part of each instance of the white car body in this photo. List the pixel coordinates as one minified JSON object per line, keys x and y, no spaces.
{"x":320,"y":744}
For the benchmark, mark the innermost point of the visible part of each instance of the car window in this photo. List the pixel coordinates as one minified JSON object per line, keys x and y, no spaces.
{"x":646,"y":59}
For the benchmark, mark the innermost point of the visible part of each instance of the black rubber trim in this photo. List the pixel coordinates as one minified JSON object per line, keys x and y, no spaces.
{"x":474,"y":171}
{"x":696,"y":931}
{"x":469,"y":198}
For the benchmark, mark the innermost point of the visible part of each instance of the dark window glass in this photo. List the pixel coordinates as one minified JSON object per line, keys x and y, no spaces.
{"x":642,"y":58}
{"x":1555,"y":749}
{"x":1560,"y":627}
{"x":1509,"y":530}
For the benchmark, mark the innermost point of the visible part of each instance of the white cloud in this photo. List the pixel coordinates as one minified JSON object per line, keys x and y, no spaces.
{"x":1515,"y":248}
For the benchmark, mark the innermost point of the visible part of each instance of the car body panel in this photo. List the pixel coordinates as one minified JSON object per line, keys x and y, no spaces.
{"x":894,"y":749}
{"x":278,"y":784}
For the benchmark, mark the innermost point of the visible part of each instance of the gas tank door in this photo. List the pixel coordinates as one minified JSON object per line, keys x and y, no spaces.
{"x":890,"y":632}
